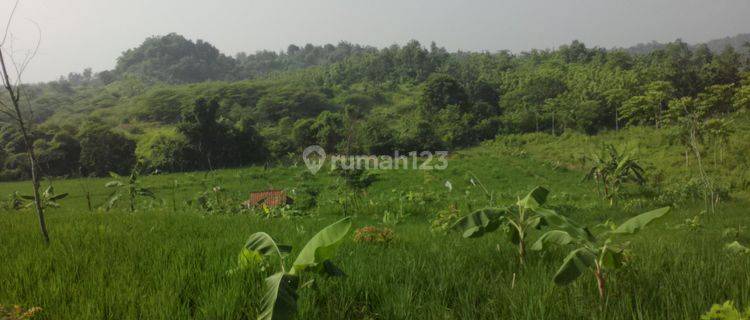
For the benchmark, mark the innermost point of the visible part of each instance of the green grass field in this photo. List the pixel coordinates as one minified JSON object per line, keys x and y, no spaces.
{"x":169,"y":261}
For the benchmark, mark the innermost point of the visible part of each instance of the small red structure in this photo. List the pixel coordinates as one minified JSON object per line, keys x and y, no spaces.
{"x":270,"y":198}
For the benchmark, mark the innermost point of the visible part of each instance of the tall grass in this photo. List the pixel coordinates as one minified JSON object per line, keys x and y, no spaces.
{"x":162,"y":263}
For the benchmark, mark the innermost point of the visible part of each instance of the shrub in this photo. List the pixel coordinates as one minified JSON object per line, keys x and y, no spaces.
{"x":371,"y":234}
{"x":444,"y":219}
{"x":165,"y":150}
{"x":104,"y":151}
{"x":726,"y":311}
{"x":18,"y":313}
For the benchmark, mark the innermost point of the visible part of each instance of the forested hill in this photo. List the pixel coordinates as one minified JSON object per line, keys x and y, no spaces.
{"x":738,"y":43}
{"x":175,"y":104}
{"x":174,"y":59}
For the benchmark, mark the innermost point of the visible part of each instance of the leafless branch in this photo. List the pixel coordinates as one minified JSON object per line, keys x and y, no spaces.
{"x":20,"y":68}
{"x":7,"y":25}
{"x":15,"y":99}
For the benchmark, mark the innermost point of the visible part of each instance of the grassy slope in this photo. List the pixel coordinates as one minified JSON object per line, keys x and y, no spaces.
{"x":157,"y":263}
{"x":658,"y":152}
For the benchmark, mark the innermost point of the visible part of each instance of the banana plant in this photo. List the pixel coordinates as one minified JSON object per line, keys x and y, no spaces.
{"x":518,"y":221}
{"x":611,"y":169}
{"x":600,"y":254}
{"x":280,"y":299}
{"x":48,"y":197}
{"x":16,"y":201}
{"x":131,"y":186}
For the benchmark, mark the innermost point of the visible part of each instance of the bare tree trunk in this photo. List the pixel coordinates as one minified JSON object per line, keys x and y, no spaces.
{"x":708,"y":184}
{"x":15,"y":99}
{"x":553,"y":124}
{"x":35,"y":184}
{"x":617,"y":119}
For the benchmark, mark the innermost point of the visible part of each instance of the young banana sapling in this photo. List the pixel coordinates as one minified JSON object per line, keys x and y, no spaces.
{"x":518,"y":220}
{"x":600,"y":254}
{"x":48,"y":199}
{"x":280,"y":299}
{"x":131,"y":186}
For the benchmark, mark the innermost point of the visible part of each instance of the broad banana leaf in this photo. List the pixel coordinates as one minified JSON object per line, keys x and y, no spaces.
{"x":554,"y":237}
{"x":612,"y":257}
{"x":479,"y":222}
{"x":112,"y":200}
{"x":280,"y":300}
{"x":559,"y":222}
{"x":322,"y":247}
{"x":49,"y":191}
{"x":247,"y":259}
{"x":574,"y":265}
{"x":114,"y":184}
{"x":58,"y":197}
{"x":263,"y":244}
{"x":638,"y":222}
{"x":534,"y":223}
{"x":146,"y":193}
{"x":535,"y":199}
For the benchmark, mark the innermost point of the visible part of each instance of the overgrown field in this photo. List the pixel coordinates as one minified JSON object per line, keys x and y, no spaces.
{"x":169,"y":259}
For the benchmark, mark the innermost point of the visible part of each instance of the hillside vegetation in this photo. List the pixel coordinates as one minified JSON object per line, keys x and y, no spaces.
{"x":179,"y":105}
{"x":582,"y":183}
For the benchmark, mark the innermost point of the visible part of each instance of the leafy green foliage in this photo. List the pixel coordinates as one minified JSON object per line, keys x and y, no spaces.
{"x":48,"y":199}
{"x":736,"y":248}
{"x":477,"y":223}
{"x":381,"y":279}
{"x":321,"y":248}
{"x":104,"y":151}
{"x":280,"y":299}
{"x":213,"y":142}
{"x":519,"y":221}
{"x":16,"y":201}
{"x":130,"y":187}
{"x":440,"y":91}
{"x":611,"y":169}
{"x":174,"y":59}
{"x":574,"y":264}
{"x":599,"y":254}
{"x":726,"y":311}
{"x":637,"y":223}
{"x":407,"y":96}
{"x":445,"y":219}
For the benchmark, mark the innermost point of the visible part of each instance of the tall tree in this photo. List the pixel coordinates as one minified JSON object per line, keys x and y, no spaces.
{"x":200,"y":127}
{"x":11,"y":107}
{"x":442,"y":90}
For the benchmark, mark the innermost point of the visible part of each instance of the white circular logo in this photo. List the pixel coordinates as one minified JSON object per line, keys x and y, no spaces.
{"x":314,"y":157}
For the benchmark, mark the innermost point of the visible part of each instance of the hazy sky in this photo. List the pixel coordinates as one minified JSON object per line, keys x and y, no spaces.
{"x":91,"y":33}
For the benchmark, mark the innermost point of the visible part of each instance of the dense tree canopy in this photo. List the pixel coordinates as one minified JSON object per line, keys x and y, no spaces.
{"x":177,"y":104}
{"x":104,"y":151}
{"x":174,"y":59}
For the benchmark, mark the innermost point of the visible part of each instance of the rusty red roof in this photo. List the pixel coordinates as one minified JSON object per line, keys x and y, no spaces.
{"x":271,"y":198}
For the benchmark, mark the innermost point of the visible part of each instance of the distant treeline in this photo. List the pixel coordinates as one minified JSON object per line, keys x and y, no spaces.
{"x":176,"y":105}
